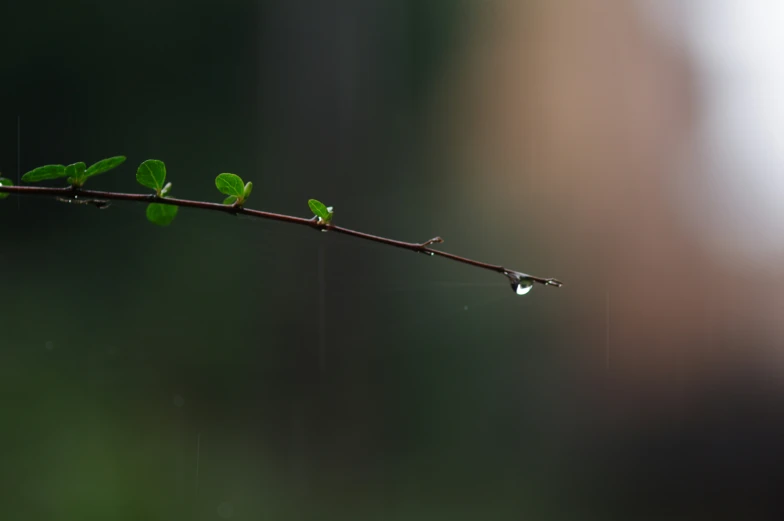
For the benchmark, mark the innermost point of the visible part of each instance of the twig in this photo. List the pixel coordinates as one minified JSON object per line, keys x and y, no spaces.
{"x":99,"y":199}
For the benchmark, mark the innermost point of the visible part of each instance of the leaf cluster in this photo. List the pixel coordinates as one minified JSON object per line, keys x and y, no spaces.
{"x":152,"y":174}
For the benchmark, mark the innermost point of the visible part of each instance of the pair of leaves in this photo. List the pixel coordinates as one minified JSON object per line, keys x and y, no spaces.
{"x":152,"y":174}
{"x":5,"y":182}
{"x":320,"y":210}
{"x":233,"y":186}
{"x":77,"y":173}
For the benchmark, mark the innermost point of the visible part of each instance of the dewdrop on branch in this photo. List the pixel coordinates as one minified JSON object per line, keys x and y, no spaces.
{"x":521,"y":283}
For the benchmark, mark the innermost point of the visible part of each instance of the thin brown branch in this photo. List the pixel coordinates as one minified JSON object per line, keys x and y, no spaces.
{"x":100,"y":199}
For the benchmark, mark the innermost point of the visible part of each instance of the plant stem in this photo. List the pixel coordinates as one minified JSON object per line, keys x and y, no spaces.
{"x":97,"y":195}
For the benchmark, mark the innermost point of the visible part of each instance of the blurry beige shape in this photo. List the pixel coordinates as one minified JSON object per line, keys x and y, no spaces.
{"x":738,"y":46}
{"x":581,"y":119}
{"x":575,"y":99}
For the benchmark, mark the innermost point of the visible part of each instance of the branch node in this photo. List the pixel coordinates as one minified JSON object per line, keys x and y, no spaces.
{"x":101,"y":204}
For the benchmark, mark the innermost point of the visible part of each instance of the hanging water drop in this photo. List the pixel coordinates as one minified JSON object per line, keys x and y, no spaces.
{"x":523,"y":287}
{"x":520,"y":282}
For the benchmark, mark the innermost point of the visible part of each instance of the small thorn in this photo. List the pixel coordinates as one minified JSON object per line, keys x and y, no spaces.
{"x":434,"y":240}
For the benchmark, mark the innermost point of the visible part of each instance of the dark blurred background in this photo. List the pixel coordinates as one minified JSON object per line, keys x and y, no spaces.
{"x":226,"y":368}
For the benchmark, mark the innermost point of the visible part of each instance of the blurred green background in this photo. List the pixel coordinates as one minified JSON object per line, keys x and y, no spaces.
{"x":228,"y":368}
{"x":192,"y":372}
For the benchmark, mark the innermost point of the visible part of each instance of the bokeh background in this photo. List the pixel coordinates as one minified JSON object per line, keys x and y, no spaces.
{"x":226,"y":368}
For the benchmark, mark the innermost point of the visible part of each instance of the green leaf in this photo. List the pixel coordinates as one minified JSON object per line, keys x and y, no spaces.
{"x":320,"y":210}
{"x":152,"y":174}
{"x":230,"y":184}
{"x":161,"y":214}
{"x":248,"y":190}
{"x":5,"y":182}
{"x":230,"y":200}
{"x":104,"y":165}
{"x":43,"y":173}
{"x":75,"y":173}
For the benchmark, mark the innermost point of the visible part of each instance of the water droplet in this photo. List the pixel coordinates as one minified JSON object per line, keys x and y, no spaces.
{"x":49,"y":345}
{"x":521,"y":283}
{"x":179,"y":401}
{"x":225,"y":510}
{"x":522,"y":286}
